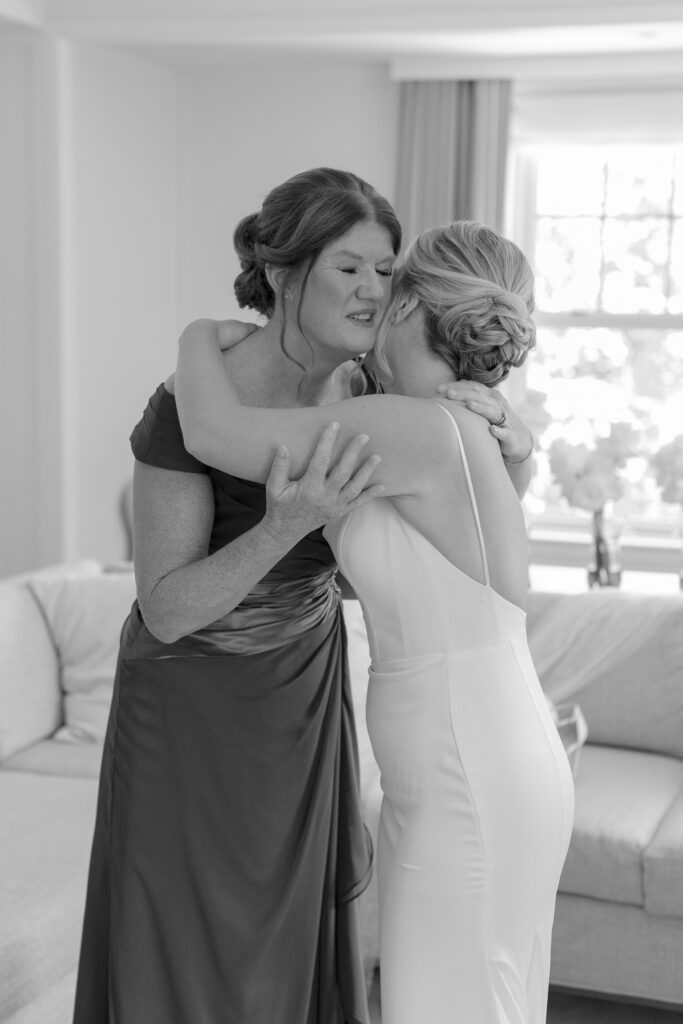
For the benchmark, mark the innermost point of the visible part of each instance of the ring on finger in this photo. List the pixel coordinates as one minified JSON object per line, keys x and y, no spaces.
{"x":502,"y":421}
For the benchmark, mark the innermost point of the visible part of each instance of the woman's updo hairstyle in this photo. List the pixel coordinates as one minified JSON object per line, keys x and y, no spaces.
{"x":297,"y":220}
{"x":476,"y":289}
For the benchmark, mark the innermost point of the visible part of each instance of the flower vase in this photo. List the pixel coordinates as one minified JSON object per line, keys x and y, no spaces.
{"x":604,"y":568}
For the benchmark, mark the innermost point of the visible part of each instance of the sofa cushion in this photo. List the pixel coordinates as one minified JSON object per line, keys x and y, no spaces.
{"x":30,"y":698}
{"x":663,"y":863}
{"x":54,"y":1005}
{"x":54,"y":757}
{"x":85,"y":617}
{"x":45,"y":858}
{"x":622,"y":797}
{"x":620,"y":656}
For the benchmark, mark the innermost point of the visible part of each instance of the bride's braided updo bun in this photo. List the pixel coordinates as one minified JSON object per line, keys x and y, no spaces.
{"x":476,"y":289}
{"x":297,"y":220}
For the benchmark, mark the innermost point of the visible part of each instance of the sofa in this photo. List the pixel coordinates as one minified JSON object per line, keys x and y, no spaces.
{"x":619,"y":920}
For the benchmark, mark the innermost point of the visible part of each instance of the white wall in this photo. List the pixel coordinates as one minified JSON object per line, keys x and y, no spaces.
{"x":89,"y":287}
{"x":120,"y":186}
{"x":19,"y":430}
{"x":120,"y":279}
{"x":246,"y":128}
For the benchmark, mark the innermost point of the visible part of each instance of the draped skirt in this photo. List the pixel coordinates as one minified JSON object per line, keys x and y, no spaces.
{"x":229,"y":846}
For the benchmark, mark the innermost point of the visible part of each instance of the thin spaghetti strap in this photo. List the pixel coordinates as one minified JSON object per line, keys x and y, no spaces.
{"x":468,"y":477}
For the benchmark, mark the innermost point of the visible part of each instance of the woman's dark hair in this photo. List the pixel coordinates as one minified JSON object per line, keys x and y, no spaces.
{"x":297,"y":220}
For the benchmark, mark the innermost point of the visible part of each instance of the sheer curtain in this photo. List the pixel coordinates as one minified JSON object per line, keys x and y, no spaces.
{"x":453,"y":141}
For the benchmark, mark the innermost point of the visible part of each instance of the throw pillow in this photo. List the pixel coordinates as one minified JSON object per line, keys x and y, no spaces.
{"x":85,"y":617}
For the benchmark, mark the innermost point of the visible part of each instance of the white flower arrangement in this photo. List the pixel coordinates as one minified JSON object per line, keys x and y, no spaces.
{"x":667,"y":464}
{"x":590,"y":477}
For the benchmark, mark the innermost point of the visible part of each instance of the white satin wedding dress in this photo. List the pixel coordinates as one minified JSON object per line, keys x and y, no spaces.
{"x":478,"y":793}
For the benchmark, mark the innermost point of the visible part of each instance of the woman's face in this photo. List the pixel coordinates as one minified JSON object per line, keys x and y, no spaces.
{"x":348,"y":289}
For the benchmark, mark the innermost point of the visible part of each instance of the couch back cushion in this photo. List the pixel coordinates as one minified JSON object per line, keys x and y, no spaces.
{"x":619,"y":655}
{"x":85,"y":617}
{"x":30,"y":698}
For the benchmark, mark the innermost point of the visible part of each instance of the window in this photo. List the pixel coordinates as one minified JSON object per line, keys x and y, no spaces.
{"x":603,"y":227}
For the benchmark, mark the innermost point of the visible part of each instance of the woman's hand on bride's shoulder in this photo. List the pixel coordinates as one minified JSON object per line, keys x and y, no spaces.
{"x":513,"y":435}
{"x":329,"y":487}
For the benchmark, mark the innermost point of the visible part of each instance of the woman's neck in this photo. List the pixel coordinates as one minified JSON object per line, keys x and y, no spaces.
{"x":264,"y":375}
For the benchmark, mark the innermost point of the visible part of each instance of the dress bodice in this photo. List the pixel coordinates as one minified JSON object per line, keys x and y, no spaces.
{"x":239,"y":504}
{"x":414,"y":600}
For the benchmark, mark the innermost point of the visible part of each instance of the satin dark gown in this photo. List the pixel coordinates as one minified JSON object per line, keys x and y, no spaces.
{"x":229,"y":847}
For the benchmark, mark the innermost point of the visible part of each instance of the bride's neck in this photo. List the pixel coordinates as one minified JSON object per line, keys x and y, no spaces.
{"x":420,"y":376}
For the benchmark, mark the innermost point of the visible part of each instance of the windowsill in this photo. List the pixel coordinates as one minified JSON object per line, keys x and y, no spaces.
{"x":550,"y":546}
{"x":562,"y":579}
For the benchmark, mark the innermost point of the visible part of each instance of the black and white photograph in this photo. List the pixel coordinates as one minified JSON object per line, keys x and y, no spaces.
{"x":341,"y":573}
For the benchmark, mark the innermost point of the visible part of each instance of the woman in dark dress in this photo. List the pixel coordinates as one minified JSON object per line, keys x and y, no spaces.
{"x":229,"y":846}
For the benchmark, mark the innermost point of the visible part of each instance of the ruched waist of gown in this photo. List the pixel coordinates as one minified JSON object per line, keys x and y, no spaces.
{"x":274,"y":613}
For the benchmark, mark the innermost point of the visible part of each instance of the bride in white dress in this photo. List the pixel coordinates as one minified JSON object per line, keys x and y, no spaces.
{"x":478,"y":795}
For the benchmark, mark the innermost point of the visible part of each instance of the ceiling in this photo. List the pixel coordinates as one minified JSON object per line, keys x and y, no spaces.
{"x":521,"y":31}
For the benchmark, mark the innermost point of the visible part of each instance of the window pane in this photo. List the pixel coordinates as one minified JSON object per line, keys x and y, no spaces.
{"x":592,"y":377}
{"x":567,"y":263}
{"x":571,"y":181}
{"x":676,"y":298}
{"x":609,"y":242}
{"x":639,"y":181}
{"x":678,"y":184}
{"x":636,"y":255}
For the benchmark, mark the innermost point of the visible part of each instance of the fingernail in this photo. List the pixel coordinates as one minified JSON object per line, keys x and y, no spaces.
{"x":282,"y":451}
{"x":363,"y":438}
{"x":375,"y":459}
{"x":335,"y":426}
{"x":442,"y":387}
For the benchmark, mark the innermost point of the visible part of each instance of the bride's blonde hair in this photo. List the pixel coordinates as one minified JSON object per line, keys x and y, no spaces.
{"x":476,"y":290}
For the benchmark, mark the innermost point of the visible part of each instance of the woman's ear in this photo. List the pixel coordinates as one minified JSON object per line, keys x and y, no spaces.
{"x":276,"y":277}
{"x":404,"y":309}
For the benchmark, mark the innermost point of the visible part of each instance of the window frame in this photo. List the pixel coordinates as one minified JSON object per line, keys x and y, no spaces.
{"x":563,"y":539}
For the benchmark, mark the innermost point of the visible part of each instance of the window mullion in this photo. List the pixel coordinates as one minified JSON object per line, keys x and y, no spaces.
{"x":620,"y":321}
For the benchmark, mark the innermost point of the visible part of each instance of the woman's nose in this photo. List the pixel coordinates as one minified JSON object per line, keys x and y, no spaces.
{"x":373,"y":286}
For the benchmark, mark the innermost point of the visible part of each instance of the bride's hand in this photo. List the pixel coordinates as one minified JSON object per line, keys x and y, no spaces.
{"x":513,"y":435}
{"x":322,"y":492}
{"x":232,"y":332}
{"x":345,"y":381}
{"x":227,"y":333}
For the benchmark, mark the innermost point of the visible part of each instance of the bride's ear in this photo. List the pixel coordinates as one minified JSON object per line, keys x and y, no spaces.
{"x":404,"y":309}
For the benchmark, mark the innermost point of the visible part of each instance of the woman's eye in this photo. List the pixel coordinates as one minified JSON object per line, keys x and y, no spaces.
{"x":348,"y":270}
{"x":385,"y":272}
